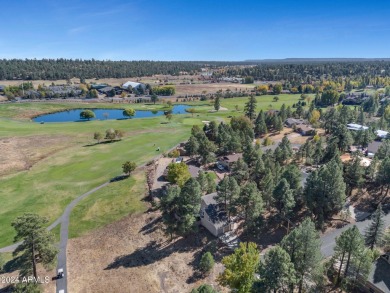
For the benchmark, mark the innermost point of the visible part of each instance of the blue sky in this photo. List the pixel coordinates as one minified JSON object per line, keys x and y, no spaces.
{"x":194,"y":29}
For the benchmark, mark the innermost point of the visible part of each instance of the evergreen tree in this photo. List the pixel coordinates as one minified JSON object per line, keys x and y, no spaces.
{"x":250,"y":107}
{"x":282,"y":113}
{"x":383,"y":176}
{"x":354,"y":174}
{"x":284,"y":198}
{"x":168,"y":207}
{"x":278,"y":124}
{"x":240,"y":171}
{"x":347,"y":245}
{"x":251,"y":155}
{"x":206,"y":263}
{"x":384,"y":150}
{"x":267,"y":186}
{"x":325,"y":191}
{"x":260,"y":125}
{"x":205,"y":288}
{"x":36,"y":242}
{"x":202,"y":179}
{"x":188,"y":206}
{"x":192,"y":146}
{"x":258,"y":172}
{"x":277,"y":273}
{"x":250,"y":204}
{"x":375,"y":231}
{"x":217,"y":103}
{"x":304,"y":247}
{"x":283,"y":152}
{"x":227,"y":194}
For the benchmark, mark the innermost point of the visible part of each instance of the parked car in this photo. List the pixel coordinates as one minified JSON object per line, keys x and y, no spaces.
{"x":220,"y":167}
{"x":60,"y":273}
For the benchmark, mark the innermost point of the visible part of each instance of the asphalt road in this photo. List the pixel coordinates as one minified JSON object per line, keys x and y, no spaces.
{"x":62,"y":284}
{"x":329,"y":239}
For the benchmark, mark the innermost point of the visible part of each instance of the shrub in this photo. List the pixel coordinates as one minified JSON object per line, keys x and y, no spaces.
{"x":206,"y":263}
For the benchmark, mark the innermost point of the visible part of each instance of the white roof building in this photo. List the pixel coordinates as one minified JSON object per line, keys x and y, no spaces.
{"x":133,"y":84}
{"x":381,"y":133}
{"x":353,"y":126}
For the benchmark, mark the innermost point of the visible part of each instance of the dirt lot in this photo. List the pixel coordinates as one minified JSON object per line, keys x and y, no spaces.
{"x":133,"y":255}
{"x":21,"y":153}
{"x":48,"y":287}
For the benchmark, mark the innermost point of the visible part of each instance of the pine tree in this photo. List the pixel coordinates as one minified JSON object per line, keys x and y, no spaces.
{"x":277,"y":273}
{"x":354,"y":174}
{"x":383,"y":176}
{"x":192,"y":146}
{"x":217,"y":103}
{"x":240,"y":171}
{"x":168,"y":207}
{"x":227,"y":194}
{"x":278,"y":124}
{"x":202,"y":179}
{"x":347,"y":246}
{"x":36,"y":242}
{"x":206,"y":263}
{"x":304,"y":247}
{"x":324,"y":191}
{"x":260,"y":125}
{"x":284,"y":198}
{"x":267,"y":186}
{"x":250,"y":107}
{"x":375,"y":231}
{"x":188,"y":206}
{"x":250,"y":203}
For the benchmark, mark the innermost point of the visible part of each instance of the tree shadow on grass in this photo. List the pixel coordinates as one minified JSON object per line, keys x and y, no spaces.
{"x":151,"y":253}
{"x":12,"y":265}
{"x":102,"y":142}
{"x":151,"y":227}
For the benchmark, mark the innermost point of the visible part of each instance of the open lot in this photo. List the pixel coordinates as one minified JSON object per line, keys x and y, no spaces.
{"x":134,"y":251}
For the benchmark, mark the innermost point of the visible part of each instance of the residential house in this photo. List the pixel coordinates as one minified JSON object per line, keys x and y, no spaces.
{"x":227,"y":161}
{"x":98,"y":86}
{"x":290,"y":122}
{"x":213,"y":217}
{"x":372,"y":148}
{"x":134,"y":85}
{"x":305,"y":130}
{"x":378,"y":280}
{"x":354,"y":100}
{"x":356,"y":127}
{"x":381,"y":134}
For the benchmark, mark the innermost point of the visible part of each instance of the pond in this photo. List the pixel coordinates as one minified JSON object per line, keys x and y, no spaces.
{"x":103,"y":114}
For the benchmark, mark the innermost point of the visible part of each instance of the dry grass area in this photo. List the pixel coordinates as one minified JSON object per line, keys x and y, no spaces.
{"x":133,"y":255}
{"x":42,"y":274}
{"x":21,"y":153}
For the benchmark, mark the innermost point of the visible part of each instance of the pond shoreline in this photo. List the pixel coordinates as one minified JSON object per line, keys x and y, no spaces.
{"x":73,"y":114}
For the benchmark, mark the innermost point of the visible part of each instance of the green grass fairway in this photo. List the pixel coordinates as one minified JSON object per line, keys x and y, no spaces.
{"x":109,"y":204}
{"x":52,"y":183}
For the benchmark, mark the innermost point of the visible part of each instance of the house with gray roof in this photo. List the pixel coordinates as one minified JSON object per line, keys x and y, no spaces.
{"x":378,"y":280}
{"x":213,"y":217}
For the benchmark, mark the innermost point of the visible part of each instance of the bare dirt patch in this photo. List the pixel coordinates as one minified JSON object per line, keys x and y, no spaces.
{"x":133,"y":255}
{"x":21,"y":153}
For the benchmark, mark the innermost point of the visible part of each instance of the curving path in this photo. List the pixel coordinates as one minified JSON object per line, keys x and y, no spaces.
{"x":62,"y":284}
